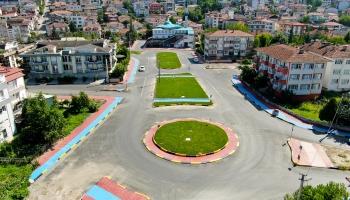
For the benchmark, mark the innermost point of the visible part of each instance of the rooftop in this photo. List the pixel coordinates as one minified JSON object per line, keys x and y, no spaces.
{"x":291,"y":54}
{"x":328,"y":50}
{"x":11,"y":73}
{"x":222,"y":33}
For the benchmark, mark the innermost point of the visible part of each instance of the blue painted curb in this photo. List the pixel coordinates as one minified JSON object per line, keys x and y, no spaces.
{"x":77,"y":139}
{"x":176,"y":100}
{"x":98,"y":193}
{"x":281,"y":115}
{"x":134,"y":70}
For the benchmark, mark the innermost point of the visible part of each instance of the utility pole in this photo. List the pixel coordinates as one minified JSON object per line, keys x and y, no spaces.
{"x":302,"y":181}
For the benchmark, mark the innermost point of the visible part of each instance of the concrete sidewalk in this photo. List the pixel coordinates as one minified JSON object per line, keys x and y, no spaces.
{"x":309,"y":154}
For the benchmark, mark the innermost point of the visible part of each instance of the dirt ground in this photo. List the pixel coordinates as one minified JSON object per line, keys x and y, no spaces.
{"x":340,"y":157}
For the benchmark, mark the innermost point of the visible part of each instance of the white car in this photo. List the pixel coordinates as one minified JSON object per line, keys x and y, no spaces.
{"x":142,"y":68}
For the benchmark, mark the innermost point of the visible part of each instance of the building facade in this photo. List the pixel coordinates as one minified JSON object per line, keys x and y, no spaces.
{"x":292,"y":69}
{"x":263,"y":25}
{"x":12,"y":93}
{"x":227,"y":45}
{"x":70,"y":58}
{"x":337,"y":75}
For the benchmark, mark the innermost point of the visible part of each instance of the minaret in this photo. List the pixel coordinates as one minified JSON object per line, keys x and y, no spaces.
{"x":186,"y":14}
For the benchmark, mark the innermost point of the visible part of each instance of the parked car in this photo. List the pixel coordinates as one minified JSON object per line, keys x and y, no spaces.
{"x":195,"y":59}
{"x":142,"y":68}
{"x":275,"y":113}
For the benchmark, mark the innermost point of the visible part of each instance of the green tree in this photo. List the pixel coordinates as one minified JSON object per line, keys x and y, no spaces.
{"x":345,"y":20}
{"x":343,"y":116}
{"x":329,"y":191}
{"x":328,"y":111}
{"x":263,"y":40}
{"x":36,"y":111}
{"x":305,"y":20}
{"x":248,"y":74}
{"x":78,"y":103}
{"x":72,"y":27}
{"x":238,"y":26}
{"x":347,"y":37}
{"x":196,"y":14}
{"x":172,"y":19}
{"x":280,"y":37}
{"x":55,"y":35}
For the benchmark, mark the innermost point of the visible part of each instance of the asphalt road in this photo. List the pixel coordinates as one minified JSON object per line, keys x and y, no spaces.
{"x":259,"y":169}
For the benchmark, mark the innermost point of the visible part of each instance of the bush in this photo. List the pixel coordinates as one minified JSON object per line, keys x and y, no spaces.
{"x":92,"y":107}
{"x":66,"y":79}
{"x":78,"y":103}
{"x":246,"y":62}
{"x":328,"y":111}
{"x":248,"y":74}
{"x":261,"y":81}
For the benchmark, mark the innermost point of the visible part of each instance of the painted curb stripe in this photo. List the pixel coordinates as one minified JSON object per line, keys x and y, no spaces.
{"x":50,"y":163}
{"x":98,"y":193}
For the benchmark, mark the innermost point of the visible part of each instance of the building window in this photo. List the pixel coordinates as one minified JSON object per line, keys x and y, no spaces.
{"x":347,"y":61}
{"x":347,"y":71}
{"x":308,"y":66}
{"x":317,"y":76}
{"x":78,"y":59}
{"x":294,"y":77}
{"x":315,"y":86}
{"x":338,"y":61}
{"x":304,"y":87}
{"x":67,"y":67}
{"x":345,"y":81}
{"x":336,"y":71}
{"x":306,"y":77}
{"x":293,"y":87}
{"x":296,"y":66}
{"x":335,"y":81}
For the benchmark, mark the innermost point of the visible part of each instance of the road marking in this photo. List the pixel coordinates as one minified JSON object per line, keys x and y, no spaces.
{"x":143,"y":86}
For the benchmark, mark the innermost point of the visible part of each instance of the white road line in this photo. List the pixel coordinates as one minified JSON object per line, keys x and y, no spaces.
{"x":143,"y":86}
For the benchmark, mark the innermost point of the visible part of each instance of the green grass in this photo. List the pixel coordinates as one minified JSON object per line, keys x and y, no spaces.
{"x":176,"y":87}
{"x":74,"y":121}
{"x":158,"y":104}
{"x":205,"y":138}
{"x":14,"y":181}
{"x":168,"y":60}
{"x":136,"y":52}
{"x":309,"y":110}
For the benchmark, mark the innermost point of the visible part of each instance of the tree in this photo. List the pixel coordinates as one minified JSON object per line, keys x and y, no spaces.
{"x":305,"y":20}
{"x":237,"y":26}
{"x":172,"y":19}
{"x":78,"y":103}
{"x":328,"y":111}
{"x":42,"y":123}
{"x":330,"y":191}
{"x":280,"y":37}
{"x":347,"y":37}
{"x":55,"y":35}
{"x":263,"y":40}
{"x":195,"y":14}
{"x":72,"y":27}
{"x":345,"y":20}
{"x":248,"y":74}
{"x":343,"y":115}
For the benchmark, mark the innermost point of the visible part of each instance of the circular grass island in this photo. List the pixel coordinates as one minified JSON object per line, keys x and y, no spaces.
{"x":190,"y":138}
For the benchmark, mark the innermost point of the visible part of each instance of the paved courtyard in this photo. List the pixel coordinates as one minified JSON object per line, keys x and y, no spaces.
{"x":259,"y":169}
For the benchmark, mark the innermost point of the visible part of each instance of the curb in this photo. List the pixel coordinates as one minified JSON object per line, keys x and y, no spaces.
{"x":187,"y":159}
{"x":73,"y":143}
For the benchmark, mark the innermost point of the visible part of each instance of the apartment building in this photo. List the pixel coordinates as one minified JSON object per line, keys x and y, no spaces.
{"x":81,"y":58}
{"x":262,"y":25}
{"x":216,"y":19}
{"x":337,"y":75}
{"x":17,"y":28}
{"x":227,"y":45}
{"x":12,"y":93}
{"x":296,"y":28}
{"x":293,"y":69}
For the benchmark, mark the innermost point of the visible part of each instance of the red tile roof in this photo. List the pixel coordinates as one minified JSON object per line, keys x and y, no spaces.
{"x":291,"y":54}
{"x":11,"y":73}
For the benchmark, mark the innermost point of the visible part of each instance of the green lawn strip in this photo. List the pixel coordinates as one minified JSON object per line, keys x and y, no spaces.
{"x":205,"y":138}
{"x":308,"y":110}
{"x":177,"y":74}
{"x":73,"y":121}
{"x":136,"y":52}
{"x":14,"y":181}
{"x":168,"y":60}
{"x":177,"y":87}
{"x":158,"y":104}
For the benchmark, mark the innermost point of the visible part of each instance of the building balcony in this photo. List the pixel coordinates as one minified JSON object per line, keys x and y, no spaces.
{"x":38,"y":63}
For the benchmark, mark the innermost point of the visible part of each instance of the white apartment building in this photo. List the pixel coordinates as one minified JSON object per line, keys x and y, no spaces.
{"x":255,"y":4}
{"x":82,"y":58}
{"x":18,"y":28}
{"x":227,"y":45}
{"x":293,"y":69}
{"x":263,"y":25}
{"x":216,"y":19}
{"x":141,"y":8}
{"x":12,"y":93}
{"x":337,"y":75}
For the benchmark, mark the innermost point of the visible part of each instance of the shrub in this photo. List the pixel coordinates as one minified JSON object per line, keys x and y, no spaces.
{"x":92,"y":107}
{"x":328,"y":111}
{"x":246,"y":62}
{"x":66,"y":79}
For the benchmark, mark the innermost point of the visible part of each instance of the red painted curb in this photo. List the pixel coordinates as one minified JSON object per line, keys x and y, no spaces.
{"x":127,"y":74}
{"x":229,"y":149}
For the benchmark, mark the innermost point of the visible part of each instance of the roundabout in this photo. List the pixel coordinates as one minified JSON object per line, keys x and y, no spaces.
{"x":191,"y":141}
